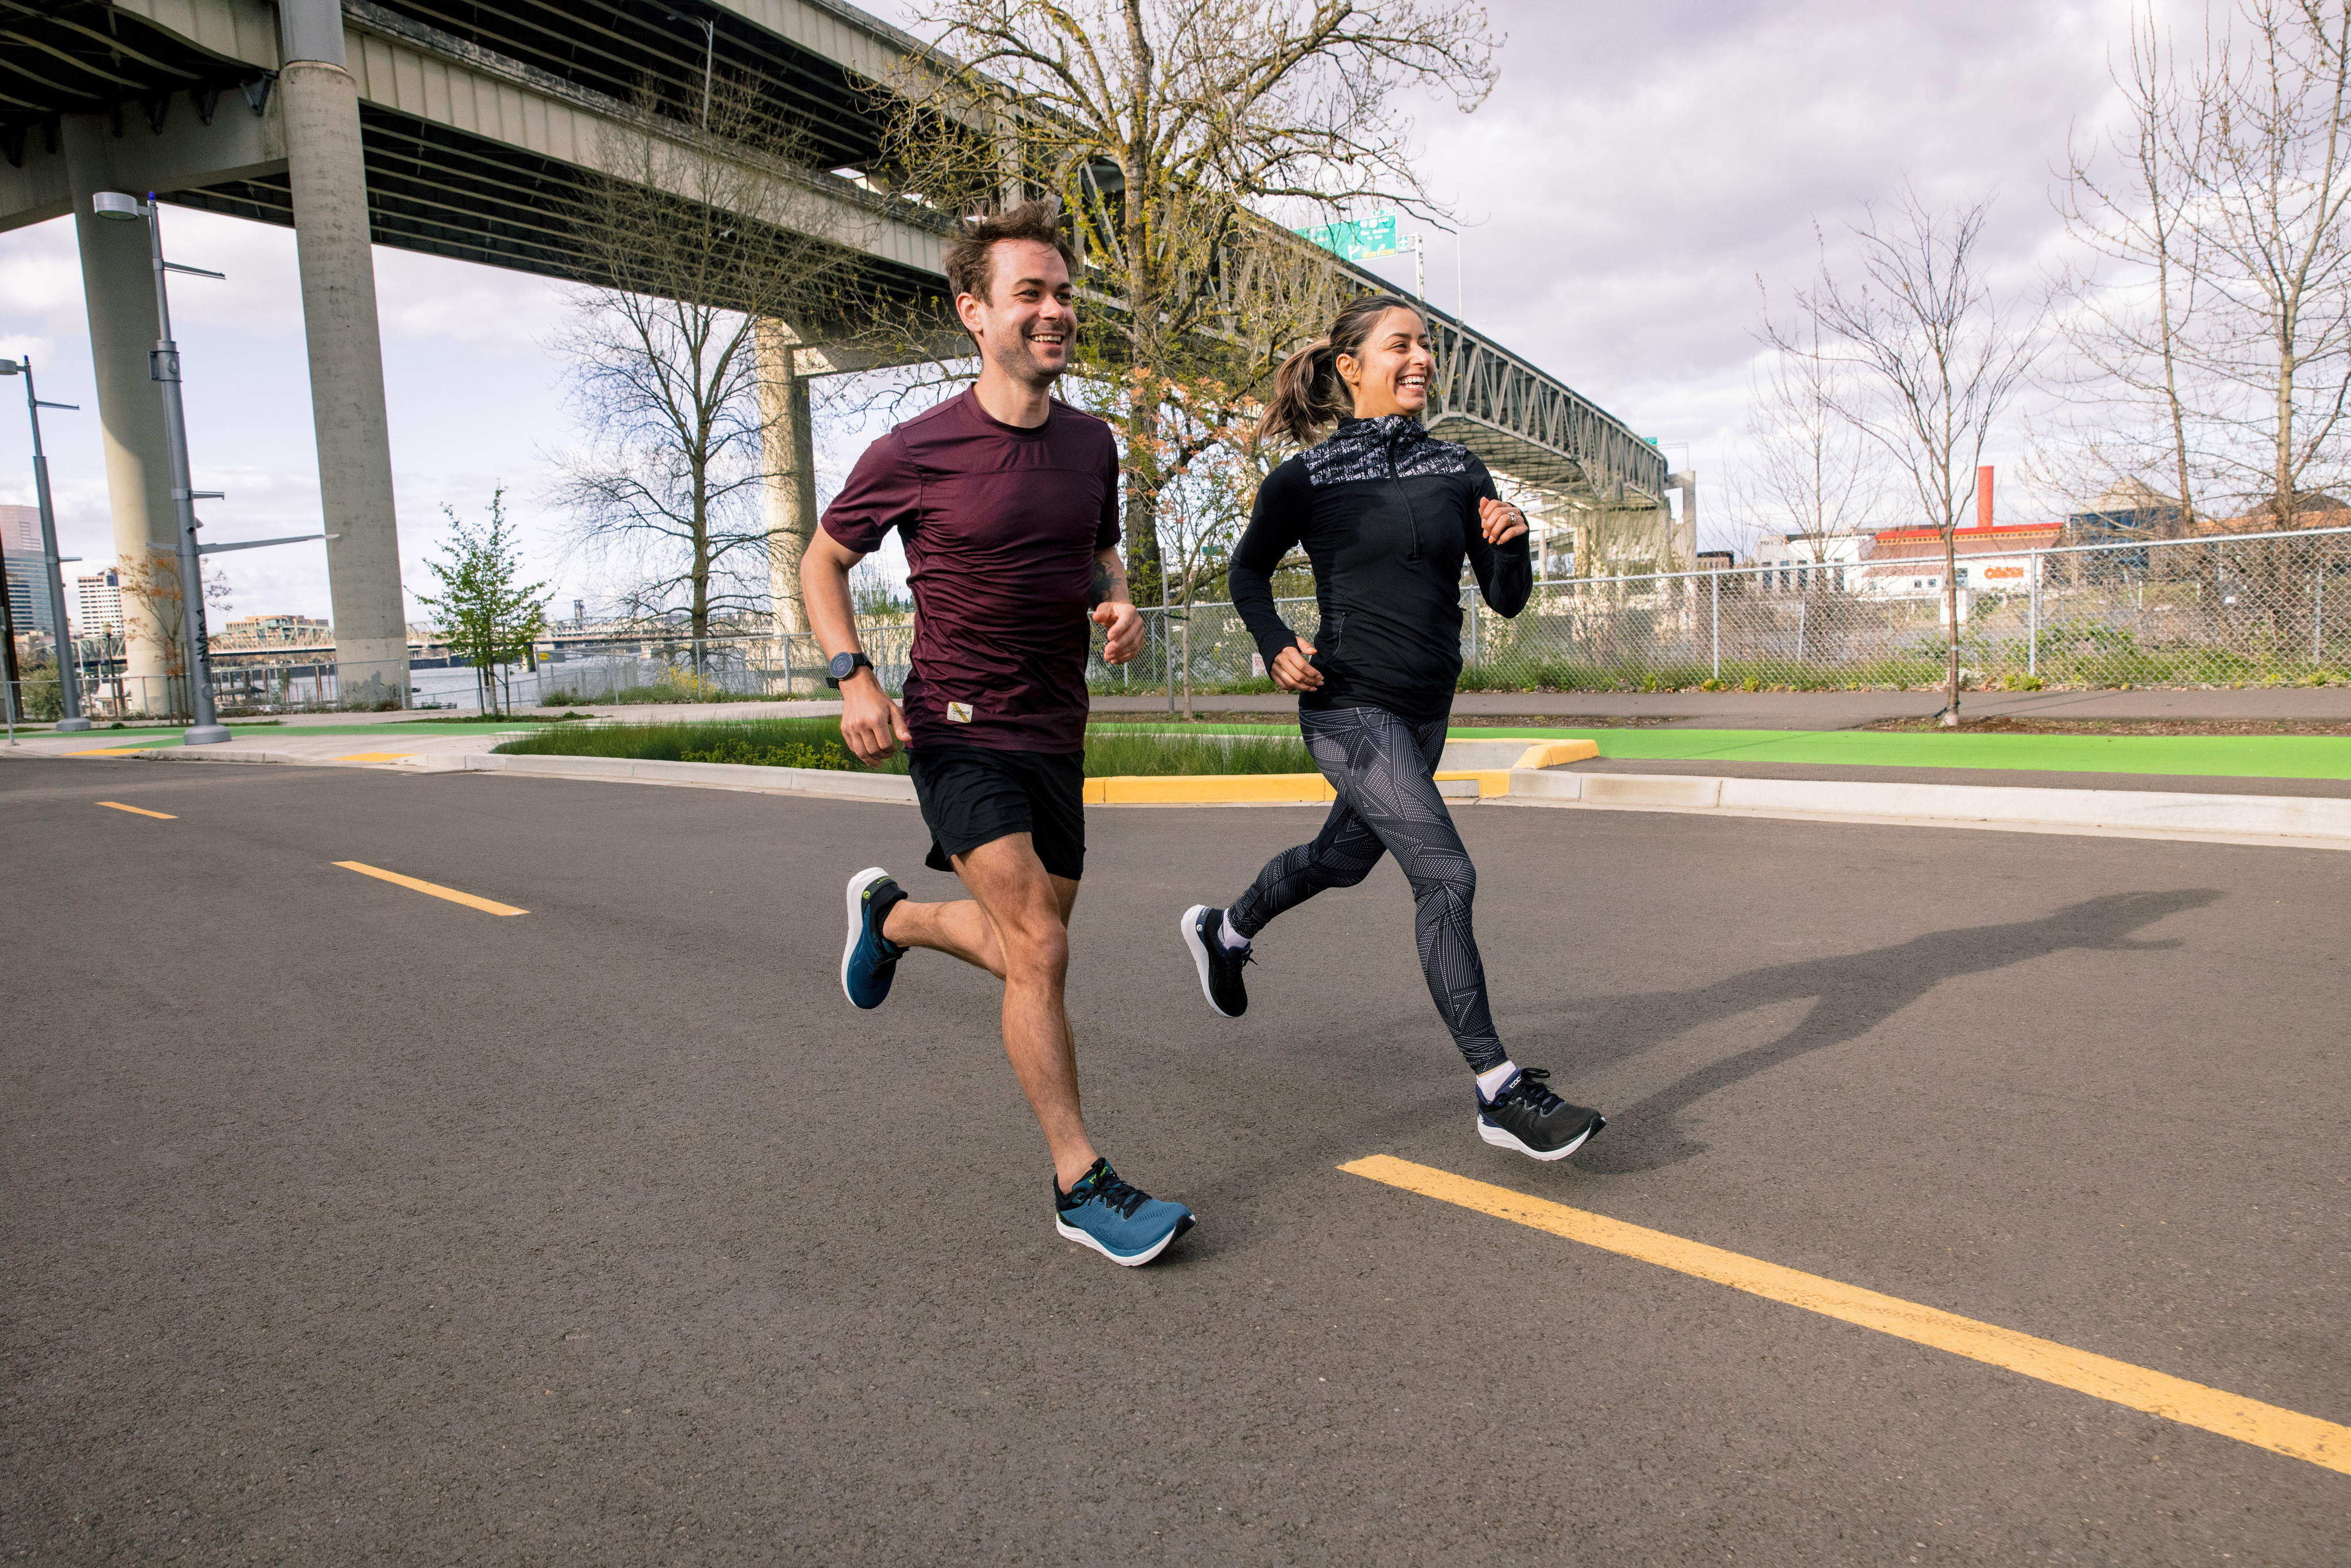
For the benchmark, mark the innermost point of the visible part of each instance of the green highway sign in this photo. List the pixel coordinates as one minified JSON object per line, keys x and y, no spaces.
{"x":1360,"y":239}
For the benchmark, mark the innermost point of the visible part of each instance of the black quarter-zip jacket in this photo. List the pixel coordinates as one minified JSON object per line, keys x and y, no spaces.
{"x":1386,"y":515}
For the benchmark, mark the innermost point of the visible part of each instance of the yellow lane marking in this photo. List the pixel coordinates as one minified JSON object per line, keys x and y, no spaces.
{"x":377,"y":756}
{"x":112,"y":751}
{"x":2247,"y":1420}
{"x":435,"y":888}
{"x":139,"y":811}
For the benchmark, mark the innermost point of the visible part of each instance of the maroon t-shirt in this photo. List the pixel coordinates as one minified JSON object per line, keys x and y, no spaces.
{"x":1001,"y":525}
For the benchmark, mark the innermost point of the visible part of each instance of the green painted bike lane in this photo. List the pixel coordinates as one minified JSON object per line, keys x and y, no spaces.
{"x":2213,"y":756}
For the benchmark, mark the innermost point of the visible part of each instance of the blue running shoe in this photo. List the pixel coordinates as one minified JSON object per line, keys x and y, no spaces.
{"x":1124,"y":1224}
{"x":870,"y":961}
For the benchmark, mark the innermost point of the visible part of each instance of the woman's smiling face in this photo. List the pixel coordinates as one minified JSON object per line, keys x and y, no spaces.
{"x":1389,"y":373}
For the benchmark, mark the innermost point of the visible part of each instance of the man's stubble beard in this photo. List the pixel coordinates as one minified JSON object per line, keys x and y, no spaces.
{"x":1022,"y":366}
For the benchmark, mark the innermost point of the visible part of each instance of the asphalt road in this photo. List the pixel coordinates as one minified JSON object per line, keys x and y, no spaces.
{"x":346,"y":1224}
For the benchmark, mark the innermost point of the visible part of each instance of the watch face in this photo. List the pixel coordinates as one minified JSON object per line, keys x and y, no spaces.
{"x":843,"y":665}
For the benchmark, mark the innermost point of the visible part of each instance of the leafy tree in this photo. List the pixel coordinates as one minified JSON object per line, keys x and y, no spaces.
{"x":481,"y":611}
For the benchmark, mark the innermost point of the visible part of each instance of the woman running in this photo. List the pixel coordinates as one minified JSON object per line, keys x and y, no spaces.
{"x":1386,"y":516}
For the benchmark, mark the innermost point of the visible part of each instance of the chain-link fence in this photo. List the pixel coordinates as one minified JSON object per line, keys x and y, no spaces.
{"x":2256,"y":609}
{"x":2267,"y":609}
{"x":602,"y":673}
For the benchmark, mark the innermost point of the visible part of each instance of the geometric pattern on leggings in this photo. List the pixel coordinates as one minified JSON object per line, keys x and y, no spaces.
{"x":1384,"y":770}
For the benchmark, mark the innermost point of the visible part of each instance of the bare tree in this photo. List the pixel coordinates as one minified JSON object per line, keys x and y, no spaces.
{"x":705,"y":234}
{"x":1813,"y":477}
{"x":2268,"y":213}
{"x":1164,"y":126}
{"x":2133,"y":340}
{"x":1937,"y":357}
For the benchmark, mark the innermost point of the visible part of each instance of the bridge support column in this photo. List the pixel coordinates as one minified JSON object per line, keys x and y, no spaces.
{"x":787,"y":452}
{"x":338,"y":320}
{"x":118,"y":281}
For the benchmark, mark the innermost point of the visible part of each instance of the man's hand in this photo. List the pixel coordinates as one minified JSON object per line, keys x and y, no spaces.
{"x":1290,"y":671}
{"x":871,"y":726}
{"x":1125,"y":638}
{"x":1501,"y":522}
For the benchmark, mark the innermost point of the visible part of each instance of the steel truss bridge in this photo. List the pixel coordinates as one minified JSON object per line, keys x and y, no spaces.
{"x":477,"y":121}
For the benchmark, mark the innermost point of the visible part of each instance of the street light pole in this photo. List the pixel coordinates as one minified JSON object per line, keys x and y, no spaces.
{"x":68,"y":672}
{"x":164,"y":366}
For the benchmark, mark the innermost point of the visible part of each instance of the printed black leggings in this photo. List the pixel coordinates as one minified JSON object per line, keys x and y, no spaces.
{"x":1384,"y":770}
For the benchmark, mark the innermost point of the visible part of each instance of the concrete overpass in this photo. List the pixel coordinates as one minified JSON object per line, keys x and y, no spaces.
{"x":463,"y":128}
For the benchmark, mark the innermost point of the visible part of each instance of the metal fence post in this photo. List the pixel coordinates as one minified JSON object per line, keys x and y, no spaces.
{"x":2033,"y":615}
{"x":2317,"y":611}
{"x":1714,"y":586}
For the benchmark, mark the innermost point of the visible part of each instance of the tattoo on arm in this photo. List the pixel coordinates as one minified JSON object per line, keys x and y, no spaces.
{"x":1110,"y":580}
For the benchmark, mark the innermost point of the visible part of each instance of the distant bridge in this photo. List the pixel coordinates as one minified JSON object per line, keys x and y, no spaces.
{"x":463,"y":129}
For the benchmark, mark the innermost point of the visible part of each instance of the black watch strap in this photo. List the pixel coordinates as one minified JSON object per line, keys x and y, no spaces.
{"x":856,"y":662}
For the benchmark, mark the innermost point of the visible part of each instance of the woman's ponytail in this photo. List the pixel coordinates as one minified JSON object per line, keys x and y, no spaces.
{"x":1308,"y":391}
{"x":1307,"y":396}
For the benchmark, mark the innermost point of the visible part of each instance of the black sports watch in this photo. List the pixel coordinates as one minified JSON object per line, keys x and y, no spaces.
{"x":844,"y":666}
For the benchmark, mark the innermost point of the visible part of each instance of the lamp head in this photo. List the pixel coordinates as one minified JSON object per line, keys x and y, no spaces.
{"x":7,"y":367}
{"x":115,"y":205}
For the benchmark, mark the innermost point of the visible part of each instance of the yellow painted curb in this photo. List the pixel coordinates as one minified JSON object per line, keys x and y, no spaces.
{"x":1208,"y":790}
{"x":1557,"y":753}
{"x":377,"y":756}
{"x":1257,"y":788}
{"x":1491,"y":781}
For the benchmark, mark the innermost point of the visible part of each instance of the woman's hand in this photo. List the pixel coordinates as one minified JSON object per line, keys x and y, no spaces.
{"x":1501,"y":522}
{"x":1290,"y":671}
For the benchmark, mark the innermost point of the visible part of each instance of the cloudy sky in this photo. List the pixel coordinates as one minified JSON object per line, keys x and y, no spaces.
{"x":1634,"y":173}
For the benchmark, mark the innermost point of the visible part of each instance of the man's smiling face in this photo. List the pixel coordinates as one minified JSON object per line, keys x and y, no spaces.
{"x":1026,"y":325}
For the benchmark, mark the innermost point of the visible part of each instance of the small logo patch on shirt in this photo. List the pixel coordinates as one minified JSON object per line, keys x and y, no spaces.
{"x":958,"y":713}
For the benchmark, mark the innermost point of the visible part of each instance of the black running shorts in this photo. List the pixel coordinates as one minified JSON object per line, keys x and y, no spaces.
{"x":972,"y":796}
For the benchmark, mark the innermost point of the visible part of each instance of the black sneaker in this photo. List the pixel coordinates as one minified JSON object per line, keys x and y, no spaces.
{"x":1219,"y":967}
{"x":1530,"y":1118}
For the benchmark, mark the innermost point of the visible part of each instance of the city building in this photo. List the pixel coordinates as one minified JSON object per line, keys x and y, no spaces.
{"x":1908,"y":563}
{"x":97,"y":602}
{"x":27,"y":577}
{"x":20,"y":530}
{"x":275,"y":632}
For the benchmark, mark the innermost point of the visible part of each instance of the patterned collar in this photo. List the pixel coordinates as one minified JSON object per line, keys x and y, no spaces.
{"x":1390,"y":446}
{"x":1386,"y":429}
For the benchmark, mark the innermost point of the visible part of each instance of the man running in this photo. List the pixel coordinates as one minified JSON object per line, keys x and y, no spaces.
{"x":1387,"y":517}
{"x":1007,"y":503}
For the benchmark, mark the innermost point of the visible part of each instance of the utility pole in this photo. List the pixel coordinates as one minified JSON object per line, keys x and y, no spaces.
{"x":69,"y":670}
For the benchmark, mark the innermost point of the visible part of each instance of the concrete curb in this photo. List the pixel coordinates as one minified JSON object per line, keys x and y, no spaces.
{"x":2316,"y":822}
{"x":2304,"y":822}
{"x":194,"y":754}
{"x":894,"y":786}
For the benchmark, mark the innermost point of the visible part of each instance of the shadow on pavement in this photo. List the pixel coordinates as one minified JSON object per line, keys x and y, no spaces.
{"x":1855,"y":992}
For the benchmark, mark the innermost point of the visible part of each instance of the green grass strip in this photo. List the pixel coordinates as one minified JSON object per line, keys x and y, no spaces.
{"x":816,"y":743}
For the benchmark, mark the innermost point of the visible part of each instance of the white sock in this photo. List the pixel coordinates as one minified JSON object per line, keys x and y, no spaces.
{"x":1233,"y":940}
{"x":1490,"y":1082}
